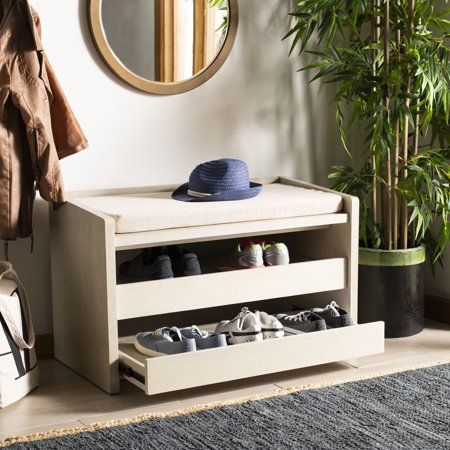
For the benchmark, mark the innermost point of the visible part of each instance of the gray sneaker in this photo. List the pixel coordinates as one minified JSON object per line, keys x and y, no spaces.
{"x":303,"y":322}
{"x":243,"y":256}
{"x":164,"y":341}
{"x":204,"y":339}
{"x":334,"y":316}
{"x":275,"y":253}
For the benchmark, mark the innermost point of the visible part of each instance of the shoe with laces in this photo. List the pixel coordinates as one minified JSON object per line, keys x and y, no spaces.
{"x":334,"y":316}
{"x":274,"y":253}
{"x":245,"y":327}
{"x":150,"y":264}
{"x":303,"y":322}
{"x":163,"y":341}
{"x":245,"y":255}
{"x":204,"y":339}
{"x":271,"y":326}
{"x":184,"y":264}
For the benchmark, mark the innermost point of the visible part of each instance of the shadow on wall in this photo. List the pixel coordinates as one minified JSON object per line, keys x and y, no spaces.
{"x":299,"y":112}
{"x":34,"y":268}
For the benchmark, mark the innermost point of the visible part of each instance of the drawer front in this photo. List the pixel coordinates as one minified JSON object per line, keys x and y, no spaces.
{"x":187,"y":370}
{"x":227,"y":288}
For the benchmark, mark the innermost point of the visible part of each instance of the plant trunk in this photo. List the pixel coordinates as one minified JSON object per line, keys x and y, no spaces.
{"x":415,"y":151}
{"x":375,"y":34}
{"x":388,"y":205}
{"x":404,"y":217}
{"x":404,"y":212}
{"x":394,"y":187}
{"x":396,"y":168}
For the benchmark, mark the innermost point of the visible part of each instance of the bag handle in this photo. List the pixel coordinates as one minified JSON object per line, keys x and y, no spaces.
{"x":16,"y":334}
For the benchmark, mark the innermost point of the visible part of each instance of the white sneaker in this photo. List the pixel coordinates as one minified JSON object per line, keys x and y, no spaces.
{"x":271,"y":326}
{"x":245,"y":327}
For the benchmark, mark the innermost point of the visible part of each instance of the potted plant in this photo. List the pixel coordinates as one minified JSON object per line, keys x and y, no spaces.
{"x":389,"y":60}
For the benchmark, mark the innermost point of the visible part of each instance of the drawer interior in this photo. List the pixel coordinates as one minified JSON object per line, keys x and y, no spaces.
{"x":203,"y":367}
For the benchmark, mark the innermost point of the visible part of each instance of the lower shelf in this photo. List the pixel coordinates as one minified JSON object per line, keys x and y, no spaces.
{"x":187,"y":370}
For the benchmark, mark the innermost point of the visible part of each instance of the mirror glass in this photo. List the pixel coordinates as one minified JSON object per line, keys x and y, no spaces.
{"x":165,"y":40}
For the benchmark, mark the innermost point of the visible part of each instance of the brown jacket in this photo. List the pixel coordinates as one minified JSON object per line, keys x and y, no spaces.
{"x":37,"y":126}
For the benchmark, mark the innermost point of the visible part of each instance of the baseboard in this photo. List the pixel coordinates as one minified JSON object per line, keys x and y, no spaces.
{"x":44,"y":346}
{"x":437,"y":308}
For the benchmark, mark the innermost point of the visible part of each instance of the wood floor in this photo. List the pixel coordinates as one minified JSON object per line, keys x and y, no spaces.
{"x":66,"y":400}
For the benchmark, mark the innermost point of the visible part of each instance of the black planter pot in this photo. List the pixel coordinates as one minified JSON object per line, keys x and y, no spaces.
{"x":391,"y":289}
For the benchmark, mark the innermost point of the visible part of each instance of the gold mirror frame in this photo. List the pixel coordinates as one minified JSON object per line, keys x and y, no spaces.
{"x":155,"y":87}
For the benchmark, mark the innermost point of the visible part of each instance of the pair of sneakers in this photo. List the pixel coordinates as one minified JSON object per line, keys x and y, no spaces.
{"x":251,"y":254}
{"x":317,"y":319}
{"x":173,"y":340}
{"x":250,"y":326}
{"x":159,"y":263}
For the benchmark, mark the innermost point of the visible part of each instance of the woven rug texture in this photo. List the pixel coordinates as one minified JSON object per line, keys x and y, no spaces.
{"x":407,"y":410}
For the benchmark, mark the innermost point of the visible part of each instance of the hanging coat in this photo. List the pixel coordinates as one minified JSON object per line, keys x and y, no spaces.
{"x":37,"y":126}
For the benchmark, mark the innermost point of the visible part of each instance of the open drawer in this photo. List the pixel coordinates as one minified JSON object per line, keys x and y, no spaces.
{"x":187,"y":370}
{"x":226,"y":288}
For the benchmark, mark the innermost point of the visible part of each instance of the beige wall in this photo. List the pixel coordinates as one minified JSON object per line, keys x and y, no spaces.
{"x":256,"y":108}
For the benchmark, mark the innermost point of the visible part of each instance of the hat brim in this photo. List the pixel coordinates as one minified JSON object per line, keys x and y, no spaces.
{"x":182,"y":195}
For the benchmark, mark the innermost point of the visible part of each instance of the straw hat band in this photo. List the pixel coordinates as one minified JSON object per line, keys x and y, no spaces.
{"x":198,"y":194}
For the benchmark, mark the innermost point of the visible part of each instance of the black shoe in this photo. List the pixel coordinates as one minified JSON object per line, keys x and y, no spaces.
{"x":184,"y":264}
{"x":303,"y":322}
{"x":150,"y":264}
{"x":334,"y":316}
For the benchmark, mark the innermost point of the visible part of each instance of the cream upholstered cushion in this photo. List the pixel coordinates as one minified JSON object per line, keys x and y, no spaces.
{"x":157,"y":211}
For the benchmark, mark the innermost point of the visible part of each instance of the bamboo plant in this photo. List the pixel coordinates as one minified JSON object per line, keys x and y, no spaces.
{"x":390,"y":62}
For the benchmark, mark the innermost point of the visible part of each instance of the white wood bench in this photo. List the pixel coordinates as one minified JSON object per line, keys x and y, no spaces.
{"x":88,"y":305}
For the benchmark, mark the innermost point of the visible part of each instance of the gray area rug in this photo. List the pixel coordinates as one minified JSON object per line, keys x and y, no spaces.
{"x":407,"y":410}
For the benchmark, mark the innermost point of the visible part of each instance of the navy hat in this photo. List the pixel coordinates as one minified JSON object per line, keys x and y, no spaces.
{"x":218,"y":181}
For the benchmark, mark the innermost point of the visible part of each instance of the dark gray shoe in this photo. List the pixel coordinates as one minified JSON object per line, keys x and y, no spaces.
{"x":303,"y":322}
{"x":150,"y":264}
{"x":164,"y":341}
{"x":334,"y":316}
{"x":203,"y":339}
{"x":184,"y":264}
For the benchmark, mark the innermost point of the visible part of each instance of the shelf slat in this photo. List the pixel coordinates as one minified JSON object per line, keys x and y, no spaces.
{"x":228,"y":288}
{"x":127,"y":241}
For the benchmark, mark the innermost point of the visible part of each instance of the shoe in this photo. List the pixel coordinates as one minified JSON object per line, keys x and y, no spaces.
{"x":184,"y":264}
{"x":243,"y":256}
{"x":275,"y":254}
{"x":271,"y":326}
{"x":163,"y":341}
{"x":303,"y":322}
{"x":245,"y":327}
{"x":204,"y":339}
{"x":150,"y":264}
{"x":334,"y":316}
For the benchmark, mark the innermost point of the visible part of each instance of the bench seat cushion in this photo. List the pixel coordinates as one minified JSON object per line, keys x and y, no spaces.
{"x":157,"y":211}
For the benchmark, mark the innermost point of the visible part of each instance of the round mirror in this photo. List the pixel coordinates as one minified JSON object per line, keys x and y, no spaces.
{"x":163,"y":46}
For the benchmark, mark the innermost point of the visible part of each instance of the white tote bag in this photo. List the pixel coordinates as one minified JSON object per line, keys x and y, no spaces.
{"x":18,"y":364}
